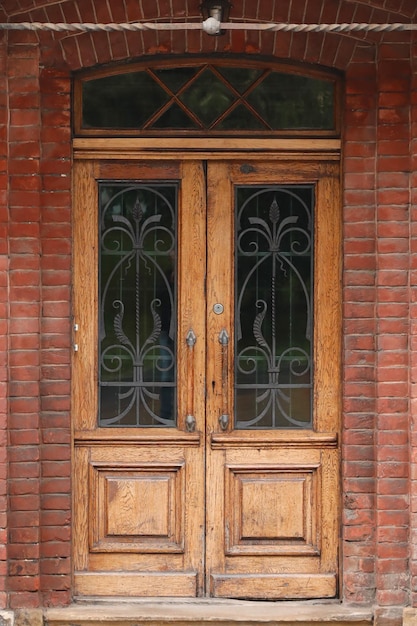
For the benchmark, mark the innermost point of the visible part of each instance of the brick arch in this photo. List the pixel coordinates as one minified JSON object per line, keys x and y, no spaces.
{"x":74,"y":51}
{"x":406,"y":8}
{"x":282,"y":9}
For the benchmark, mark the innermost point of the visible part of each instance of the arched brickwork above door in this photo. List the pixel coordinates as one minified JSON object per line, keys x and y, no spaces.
{"x":76,"y":50}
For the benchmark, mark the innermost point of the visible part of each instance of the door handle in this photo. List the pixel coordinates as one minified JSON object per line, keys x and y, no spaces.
{"x":224,"y":342}
{"x":190,"y":422}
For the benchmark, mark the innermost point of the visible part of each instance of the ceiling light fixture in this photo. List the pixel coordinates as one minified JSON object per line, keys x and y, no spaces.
{"x":214,"y":13}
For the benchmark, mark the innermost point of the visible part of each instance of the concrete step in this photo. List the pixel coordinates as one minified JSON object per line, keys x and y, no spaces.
{"x":206,"y":612}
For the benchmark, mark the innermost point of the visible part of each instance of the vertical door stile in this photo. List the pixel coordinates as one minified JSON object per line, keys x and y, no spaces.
{"x":220,"y":290}
{"x":191,"y":325}
{"x":85,"y":224}
{"x":328,"y":374}
{"x":328,"y":280}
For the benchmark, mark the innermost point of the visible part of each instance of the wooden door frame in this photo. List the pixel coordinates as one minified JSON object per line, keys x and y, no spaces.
{"x":206,"y":149}
{"x":294,"y":151}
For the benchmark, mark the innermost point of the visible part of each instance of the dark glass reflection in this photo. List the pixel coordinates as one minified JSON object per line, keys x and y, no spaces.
{"x":207,"y":97}
{"x":137,"y":291}
{"x":241,"y":119}
{"x":174,"y":118}
{"x":289,"y":101}
{"x":218,"y":97}
{"x":122,"y":101}
{"x":176,"y":77}
{"x":241,"y":78}
{"x":273,"y":316}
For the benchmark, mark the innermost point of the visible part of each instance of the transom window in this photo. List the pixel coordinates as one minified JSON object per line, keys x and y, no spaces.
{"x":200,"y":98}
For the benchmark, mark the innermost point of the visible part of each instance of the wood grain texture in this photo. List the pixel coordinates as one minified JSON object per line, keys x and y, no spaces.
{"x":285,"y":586}
{"x":144,"y":584}
{"x":272,"y":510}
{"x":139,"y":506}
{"x":327,"y":302}
{"x":191,"y":290}
{"x":229,"y":513}
{"x":80,"y":506}
{"x":269,"y":508}
{"x":220,"y":290}
{"x":85,"y":293}
{"x":137,"y":148}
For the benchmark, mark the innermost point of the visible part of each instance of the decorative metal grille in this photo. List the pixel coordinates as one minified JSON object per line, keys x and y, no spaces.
{"x":137,"y":290}
{"x":273,"y":371}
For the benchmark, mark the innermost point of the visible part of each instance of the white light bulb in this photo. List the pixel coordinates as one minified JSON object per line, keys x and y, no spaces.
{"x":211,"y":26}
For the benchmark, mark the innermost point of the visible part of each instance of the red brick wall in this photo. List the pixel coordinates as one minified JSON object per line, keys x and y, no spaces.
{"x":377,"y":345}
{"x":392,"y":325}
{"x":376,"y":329}
{"x":379,"y":309}
{"x":413,"y":327}
{"x":24,"y":328}
{"x":39,"y":488}
{"x":55,"y":354}
{"x":359,"y":402}
{"x":3,"y":320}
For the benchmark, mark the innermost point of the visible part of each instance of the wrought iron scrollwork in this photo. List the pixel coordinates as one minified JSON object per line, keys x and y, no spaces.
{"x":137,"y":376}
{"x":273,"y":370}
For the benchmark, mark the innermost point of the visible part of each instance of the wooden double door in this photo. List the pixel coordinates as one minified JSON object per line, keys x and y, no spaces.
{"x":206,"y":377}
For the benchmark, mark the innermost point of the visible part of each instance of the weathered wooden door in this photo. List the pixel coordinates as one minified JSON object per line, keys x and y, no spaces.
{"x":206,"y":385}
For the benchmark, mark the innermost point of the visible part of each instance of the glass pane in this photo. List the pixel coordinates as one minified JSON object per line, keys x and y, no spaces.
{"x":287,"y":101}
{"x":176,"y":77}
{"x":174,"y":118}
{"x":240,"y":119}
{"x":207,"y":97}
{"x":121,"y":101}
{"x":137,"y":291}
{"x":273,"y":317}
{"x":240,"y":77}
{"x":283,"y":101}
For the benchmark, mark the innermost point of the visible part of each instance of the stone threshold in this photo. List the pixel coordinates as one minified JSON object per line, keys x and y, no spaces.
{"x":205,"y":611}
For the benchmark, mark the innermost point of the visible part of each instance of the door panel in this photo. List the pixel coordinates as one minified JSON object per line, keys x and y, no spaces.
{"x":272,"y":504}
{"x":224,"y":500}
{"x":139,"y":491}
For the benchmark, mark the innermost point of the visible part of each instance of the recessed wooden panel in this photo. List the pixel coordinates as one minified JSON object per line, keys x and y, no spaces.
{"x":133,"y":505}
{"x":271,"y":510}
{"x":283,"y":517}
{"x":137,"y":508}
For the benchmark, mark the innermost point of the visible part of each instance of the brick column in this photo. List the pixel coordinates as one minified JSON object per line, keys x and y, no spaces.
{"x":4,"y":317}
{"x":359,"y":236}
{"x":413,"y":329}
{"x":55,"y":355}
{"x":24,"y":341}
{"x":392,"y":332}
